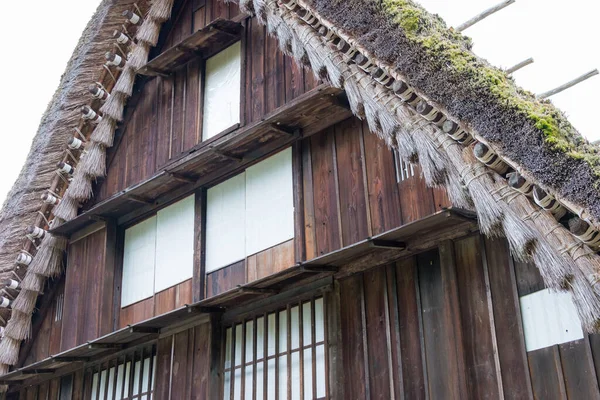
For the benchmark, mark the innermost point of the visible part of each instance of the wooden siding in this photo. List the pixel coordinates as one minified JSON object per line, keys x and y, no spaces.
{"x":351,"y":192}
{"x":162,"y":302}
{"x":165,"y":122}
{"x":256,"y":266}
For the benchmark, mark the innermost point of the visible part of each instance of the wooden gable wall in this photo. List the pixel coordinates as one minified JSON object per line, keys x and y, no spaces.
{"x":164,"y":122}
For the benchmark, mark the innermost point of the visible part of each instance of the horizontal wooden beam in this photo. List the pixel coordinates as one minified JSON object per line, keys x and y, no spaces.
{"x":143,"y":329}
{"x":317,"y":269}
{"x":38,"y":371}
{"x":258,"y":291}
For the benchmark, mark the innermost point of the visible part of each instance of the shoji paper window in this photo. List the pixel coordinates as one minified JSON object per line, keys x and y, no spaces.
{"x":225,"y":223}
{"x":549,"y":318}
{"x":269,"y":202}
{"x":159,"y":252}
{"x":174,"y":244}
{"x":118,"y":380}
{"x":250,"y":212}
{"x":222,"y":91}
{"x":282,"y":354}
{"x":138,"y":262}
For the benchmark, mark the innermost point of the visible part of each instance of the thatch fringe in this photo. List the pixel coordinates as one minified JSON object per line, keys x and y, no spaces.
{"x":125,"y":82}
{"x":33,"y":282}
{"x":149,"y":32}
{"x":48,"y":261}
{"x":67,"y":208}
{"x":104,"y":133}
{"x":81,"y":186}
{"x":24,"y":302}
{"x":93,"y":164}
{"x":19,"y":325}
{"x":113,"y":107}
{"x":139,"y":56}
{"x":160,"y":10}
{"x":9,"y":350}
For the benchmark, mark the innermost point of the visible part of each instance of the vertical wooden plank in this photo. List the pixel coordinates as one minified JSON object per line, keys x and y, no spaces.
{"x":274,"y":75}
{"x":478,"y":339}
{"x":108,"y":278}
{"x":299,"y":221}
{"x":377,"y":326}
{"x":246,"y":77}
{"x":528,"y":278}
{"x":73,"y":295}
{"x":440,"y":354}
{"x":353,"y":210}
{"x":325,"y":198}
{"x":353,"y":351}
{"x":164,"y":123}
{"x":294,"y":79}
{"x":409,"y":326}
{"x":163,"y":368}
{"x":578,"y":370}
{"x":147,"y":109}
{"x":309,"y":202}
{"x":192,"y":108}
{"x":199,"y":276}
{"x":199,"y":18}
{"x":507,"y":316}
{"x":257,"y":94}
{"x":179,"y":102}
{"x":384,"y":202}
{"x":201,"y":362}
{"x":219,"y":10}
{"x":546,"y":374}
{"x":225,"y":279}
{"x":417,"y":200}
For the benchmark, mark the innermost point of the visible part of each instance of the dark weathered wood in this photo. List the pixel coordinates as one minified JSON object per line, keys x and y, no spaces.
{"x":507,"y":317}
{"x":528,"y":278}
{"x":377,"y":330}
{"x":325,"y":195}
{"x":353,"y":210}
{"x":546,"y":374}
{"x":416,"y":198}
{"x":353,"y":351}
{"x":309,"y":201}
{"x":225,"y":279}
{"x":199,"y":275}
{"x":481,"y":372}
{"x":578,"y":370}
{"x":299,"y":221}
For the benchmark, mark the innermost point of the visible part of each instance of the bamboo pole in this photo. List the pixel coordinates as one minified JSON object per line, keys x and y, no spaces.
{"x":568,"y":85}
{"x":484,"y":15}
{"x":520,"y":65}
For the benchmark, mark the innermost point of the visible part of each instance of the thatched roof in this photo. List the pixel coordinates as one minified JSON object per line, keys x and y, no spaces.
{"x":403,"y":71}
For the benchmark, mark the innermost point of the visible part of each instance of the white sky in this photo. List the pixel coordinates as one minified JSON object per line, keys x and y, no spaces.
{"x":562,"y":37}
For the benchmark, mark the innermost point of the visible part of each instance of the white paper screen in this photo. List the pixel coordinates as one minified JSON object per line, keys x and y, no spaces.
{"x":174,"y":244}
{"x":549,"y":318}
{"x":222,"y":91}
{"x":269,"y":203}
{"x":138,"y":262}
{"x":225,"y":223}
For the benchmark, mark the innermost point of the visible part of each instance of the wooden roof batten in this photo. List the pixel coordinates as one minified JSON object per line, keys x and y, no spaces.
{"x":305,"y":277}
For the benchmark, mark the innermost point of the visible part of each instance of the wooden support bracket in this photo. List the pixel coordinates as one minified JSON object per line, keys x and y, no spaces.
{"x":284,"y":131}
{"x":251,"y":290}
{"x":139,"y":199}
{"x":317,"y":269}
{"x":388,"y":244}
{"x":181,"y":177}
{"x":143,"y":329}
{"x":98,"y":346}
{"x":71,"y":359}
{"x":225,"y":154}
{"x":38,"y":371}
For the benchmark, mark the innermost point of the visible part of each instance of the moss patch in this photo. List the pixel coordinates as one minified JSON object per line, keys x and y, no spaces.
{"x":451,"y":50}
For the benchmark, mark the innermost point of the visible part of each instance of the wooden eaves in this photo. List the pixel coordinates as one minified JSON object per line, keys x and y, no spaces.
{"x":312,"y":275}
{"x":223,"y":155}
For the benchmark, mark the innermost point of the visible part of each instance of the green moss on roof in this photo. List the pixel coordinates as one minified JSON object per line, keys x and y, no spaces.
{"x":451,"y":50}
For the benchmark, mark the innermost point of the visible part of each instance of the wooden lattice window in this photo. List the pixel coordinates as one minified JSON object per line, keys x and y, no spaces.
{"x":278,"y":355}
{"x":129,"y":376}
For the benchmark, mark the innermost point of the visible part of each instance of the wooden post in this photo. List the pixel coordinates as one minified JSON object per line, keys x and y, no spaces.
{"x":520,"y":65}
{"x":568,"y":85}
{"x":484,"y":15}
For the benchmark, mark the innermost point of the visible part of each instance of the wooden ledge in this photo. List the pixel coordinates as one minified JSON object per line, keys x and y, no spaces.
{"x":227,"y":153}
{"x":208,"y":41}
